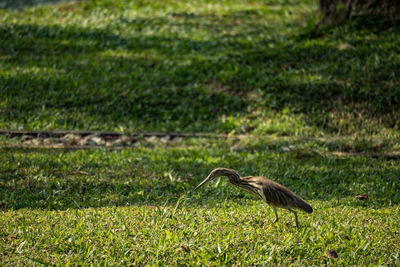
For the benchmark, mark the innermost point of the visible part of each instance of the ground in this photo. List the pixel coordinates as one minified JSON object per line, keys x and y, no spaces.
{"x":313,"y":110}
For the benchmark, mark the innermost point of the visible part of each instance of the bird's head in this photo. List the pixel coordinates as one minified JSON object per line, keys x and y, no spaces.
{"x":218,"y":172}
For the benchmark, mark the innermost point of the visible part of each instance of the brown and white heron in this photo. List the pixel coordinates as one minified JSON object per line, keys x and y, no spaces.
{"x":270,"y":191}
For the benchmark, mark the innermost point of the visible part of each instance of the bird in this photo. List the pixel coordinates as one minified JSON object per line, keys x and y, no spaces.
{"x":271,"y":192}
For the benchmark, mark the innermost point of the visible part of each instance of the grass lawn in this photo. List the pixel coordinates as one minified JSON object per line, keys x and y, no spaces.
{"x":239,"y":67}
{"x":136,"y":205}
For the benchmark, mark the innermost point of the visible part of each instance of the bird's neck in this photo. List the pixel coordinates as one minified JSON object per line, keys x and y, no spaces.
{"x":236,"y":180}
{"x":233,"y":177}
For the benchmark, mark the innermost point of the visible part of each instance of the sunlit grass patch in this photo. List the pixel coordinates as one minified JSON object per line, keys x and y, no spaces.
{"x":226,"y":232}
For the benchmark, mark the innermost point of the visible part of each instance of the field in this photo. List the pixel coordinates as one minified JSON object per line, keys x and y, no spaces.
{"x":315,"y":110}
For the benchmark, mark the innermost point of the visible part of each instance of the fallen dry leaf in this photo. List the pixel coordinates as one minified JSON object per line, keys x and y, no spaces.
{"x":361,"y":196}
{"x":78,"y":172}
{"x":10,"y":238}
{"x":185,"y":248}
{"x":344,"y":46}
{"x":332,"y":254}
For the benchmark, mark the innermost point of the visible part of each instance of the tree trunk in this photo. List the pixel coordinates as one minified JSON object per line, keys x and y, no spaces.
{"x":334,"y":12}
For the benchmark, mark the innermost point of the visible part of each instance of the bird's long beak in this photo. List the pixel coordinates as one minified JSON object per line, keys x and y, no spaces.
{"x":209,"y":178}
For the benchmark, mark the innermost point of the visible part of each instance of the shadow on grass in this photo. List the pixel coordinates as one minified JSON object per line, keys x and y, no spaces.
{"x":62,"y":179}
{"x":71,"y":77}
{"x":137,"y":90}
{"x":18,"y":4}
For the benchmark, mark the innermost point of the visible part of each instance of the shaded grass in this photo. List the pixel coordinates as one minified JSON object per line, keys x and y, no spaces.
{"x":153,"y":172}
{"x":209,"y":66}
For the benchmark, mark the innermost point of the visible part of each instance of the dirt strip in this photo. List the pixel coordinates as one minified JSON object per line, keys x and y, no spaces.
{"x":87,"y":139}
{"x":387,"y":156}
{"x":61,"y":133}
{"x":61,"y":138}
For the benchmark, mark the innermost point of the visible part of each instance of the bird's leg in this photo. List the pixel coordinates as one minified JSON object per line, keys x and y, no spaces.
{"x":295,"y":216}
{"x":276,"y":215}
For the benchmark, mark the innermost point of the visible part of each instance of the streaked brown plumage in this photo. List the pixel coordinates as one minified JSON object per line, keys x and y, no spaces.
{"x":270,"y":191}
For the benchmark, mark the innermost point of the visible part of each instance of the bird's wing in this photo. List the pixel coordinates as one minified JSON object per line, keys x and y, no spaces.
{"x":276,"y":194}
{"x":280,"y":196}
